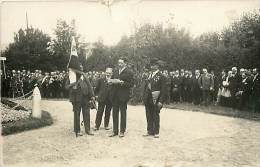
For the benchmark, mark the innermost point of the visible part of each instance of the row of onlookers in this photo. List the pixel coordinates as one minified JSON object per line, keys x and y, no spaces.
{"x":233,"y":88}
{"x":17,"y":83}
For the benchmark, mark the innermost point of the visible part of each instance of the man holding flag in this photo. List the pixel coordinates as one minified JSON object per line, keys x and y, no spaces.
{"x":80,"y":91}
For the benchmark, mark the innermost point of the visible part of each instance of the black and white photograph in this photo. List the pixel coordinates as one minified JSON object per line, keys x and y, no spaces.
{"x":130,"y":83}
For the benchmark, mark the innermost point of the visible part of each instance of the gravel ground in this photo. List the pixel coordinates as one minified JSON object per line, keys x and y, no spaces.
{"x":188,"y":139}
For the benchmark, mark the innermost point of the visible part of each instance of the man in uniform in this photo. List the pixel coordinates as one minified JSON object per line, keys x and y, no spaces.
{"x":120,"y":95}
{"x":154,"y":97}
{"x":80,"y":93}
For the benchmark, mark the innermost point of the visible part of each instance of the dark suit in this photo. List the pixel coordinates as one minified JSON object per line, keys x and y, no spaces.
{"x":206,"y":83}
{"x":156,"y":83}
{"x":256,"y":92}
{"x":168,"y":92}
{"x":235,"y":82}
{"x":188,"y":93}
{"x":182,"y":94}
{"x":120,"y":95}
{"x":245,"y":87}
{"x":176,"y":88}
{"x":196,"y":91}
{"x":80,"y":94}
{"x":103,"y":91}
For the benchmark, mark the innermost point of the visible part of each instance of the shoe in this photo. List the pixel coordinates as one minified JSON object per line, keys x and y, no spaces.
{"x":90,"y":133}
{"x":121,"y":135}
{"x":156,"y":136}
{"x":147,"y":135}
{"x":95,"y":128}
{"x":113,"y":135}
{"x":79,"y":134}
{"x":107,"y":128}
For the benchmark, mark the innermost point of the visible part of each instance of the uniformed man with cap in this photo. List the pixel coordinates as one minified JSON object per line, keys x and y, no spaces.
{"x":154,"y":97}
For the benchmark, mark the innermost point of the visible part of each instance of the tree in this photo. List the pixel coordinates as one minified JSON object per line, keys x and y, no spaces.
{"x":61,"y":45}
{"x":29,"y":50}
{"x":100,"y":58}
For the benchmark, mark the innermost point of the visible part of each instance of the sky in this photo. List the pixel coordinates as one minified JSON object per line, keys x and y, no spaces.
{"x":95,"y":21}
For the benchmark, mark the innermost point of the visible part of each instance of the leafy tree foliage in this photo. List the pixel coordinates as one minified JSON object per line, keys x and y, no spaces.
{"x":61,"y":45}
{"x":29,"y":50}
{"x":100,"y":58}
{"x":237,"y":45}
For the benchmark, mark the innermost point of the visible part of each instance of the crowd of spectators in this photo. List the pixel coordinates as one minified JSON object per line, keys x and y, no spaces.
{"x":18,"y":83}
{"x":232,"y":88}
{"x":239,"y":89}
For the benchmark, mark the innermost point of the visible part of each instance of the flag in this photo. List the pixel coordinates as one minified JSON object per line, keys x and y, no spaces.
{"x":74,"y":64}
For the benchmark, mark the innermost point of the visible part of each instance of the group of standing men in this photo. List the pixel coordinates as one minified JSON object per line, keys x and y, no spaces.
{"x":113,"y":93}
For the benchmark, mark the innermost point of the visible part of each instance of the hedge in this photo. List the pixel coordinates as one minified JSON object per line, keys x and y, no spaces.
{"x":27,"y":124}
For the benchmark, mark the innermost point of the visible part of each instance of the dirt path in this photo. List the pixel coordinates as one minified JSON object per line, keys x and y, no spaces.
{"x":186,"y":139}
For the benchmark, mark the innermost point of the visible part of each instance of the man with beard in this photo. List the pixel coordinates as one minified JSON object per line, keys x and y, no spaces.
{"x":154,"y":97}
{"x":122,"y":81}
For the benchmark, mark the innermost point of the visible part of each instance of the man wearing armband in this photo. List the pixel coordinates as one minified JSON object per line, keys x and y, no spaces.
{"x":80,"y":95}
{"x":154,"y":97}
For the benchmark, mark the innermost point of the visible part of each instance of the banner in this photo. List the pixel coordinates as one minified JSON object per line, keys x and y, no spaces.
{"x":74,"y":64}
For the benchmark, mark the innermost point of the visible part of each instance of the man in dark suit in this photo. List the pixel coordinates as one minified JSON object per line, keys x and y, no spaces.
{"x":185,"y":81}
{"x":196,"y":91}
{"x":176,"y":86}
{"x":182,"y":78}
{"x":80,"y":93}
{"x":244,"y":91}
{"x":235,"y":82}
{"x":256,"y":90}
{"x":189,"y":87}
{"x":102,"y":91}
{"x":154,"y":97}
{"x":122,"y":81}
{"x":206,"y":83}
